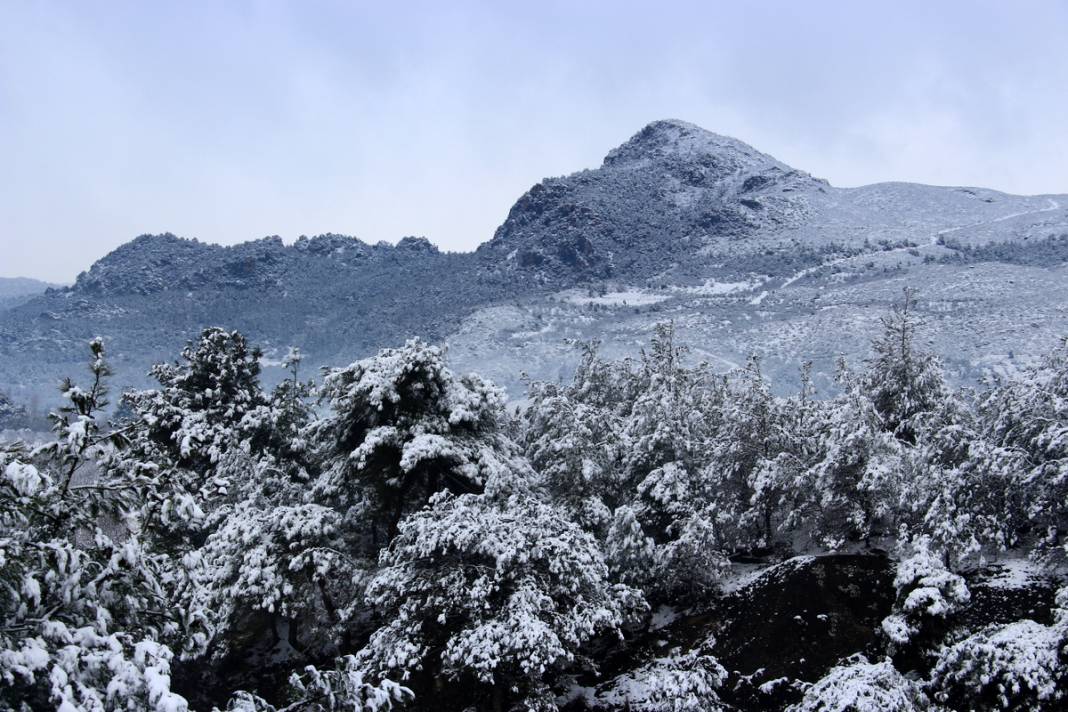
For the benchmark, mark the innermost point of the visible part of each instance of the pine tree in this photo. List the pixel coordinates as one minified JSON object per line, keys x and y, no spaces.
{"x":84,"y":618}
{"x":744,"y":469}
{"x":855,"y":481}
{"x":496,"y":595}
{"x":902,"y":381}
{"x":195,"y":439}
{"x":1029,"y":417}
{"x":403,"y":427}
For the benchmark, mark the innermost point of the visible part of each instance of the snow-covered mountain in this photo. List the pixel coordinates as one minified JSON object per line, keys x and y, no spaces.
{"x":16,"y":290}
{"x":745,"y":254}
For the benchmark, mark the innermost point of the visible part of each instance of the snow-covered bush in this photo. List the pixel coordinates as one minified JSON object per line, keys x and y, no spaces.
{"x":928,"y":595}
{"x":342,"y":687}
{"x":860,"y":686}
{"x":691,"y":563}
{"x":681,"y":681}
{"x":1018,"y":666}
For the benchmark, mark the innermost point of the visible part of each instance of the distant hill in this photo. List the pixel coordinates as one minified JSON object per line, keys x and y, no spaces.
{"x":746,"y":254}
{"x":17,"y":290}
{"x":22,"y":287}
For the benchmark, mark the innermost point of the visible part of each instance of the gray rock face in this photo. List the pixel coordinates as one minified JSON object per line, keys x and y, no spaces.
{"x":657,"y":198}
{"x":744,"y":253}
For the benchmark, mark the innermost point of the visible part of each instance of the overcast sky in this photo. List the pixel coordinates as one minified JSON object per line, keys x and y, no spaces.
{"x":229,"y":121}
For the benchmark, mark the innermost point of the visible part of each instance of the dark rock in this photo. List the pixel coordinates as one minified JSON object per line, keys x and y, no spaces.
{"x":788,"y":627}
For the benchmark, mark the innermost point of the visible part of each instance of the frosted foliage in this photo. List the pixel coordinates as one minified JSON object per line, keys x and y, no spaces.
{"x":84,"y":624}
{"x":860,"y":686}
{"x":402,"y":427}
{"x":1018,"y":666}
{"x":283,"y":560}
{"x":497,"y":592}
{"x":678,"y":682}
{"x":1030,"y":416}
{"x":926,"y":591}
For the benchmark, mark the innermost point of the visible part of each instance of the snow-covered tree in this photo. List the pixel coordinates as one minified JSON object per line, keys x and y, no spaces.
{"x":860,"y":686}
{"x":495,"y":594}
{"x":758,"y":465}
{"x":1030,"y":417}
{"x":403,"y":427}
{"x":84,"y":619}
{"x":207,"y":402}
{"x":196,"y":439}
{"x":630,"y":553}
{"x":282,"y":569}
{"x":855,"y":481}
{"x":578,"y":449}
{"x":745,"y":442}
{"x":673,"y":415}
{"x":962,"y":492}
{"x":902,"y":380}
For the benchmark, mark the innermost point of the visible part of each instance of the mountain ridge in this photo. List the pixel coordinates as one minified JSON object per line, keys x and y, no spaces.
{"x":677,"y":223}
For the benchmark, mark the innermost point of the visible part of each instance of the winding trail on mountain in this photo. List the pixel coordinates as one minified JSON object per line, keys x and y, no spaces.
{"x":932,"y":241}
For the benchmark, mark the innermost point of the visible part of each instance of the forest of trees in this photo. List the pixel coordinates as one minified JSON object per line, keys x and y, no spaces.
{"x":394,"y":536}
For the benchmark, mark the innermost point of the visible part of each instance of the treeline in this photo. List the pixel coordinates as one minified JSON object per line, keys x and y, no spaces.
{"x":393,"y":536}
{"x":1043,"y":252}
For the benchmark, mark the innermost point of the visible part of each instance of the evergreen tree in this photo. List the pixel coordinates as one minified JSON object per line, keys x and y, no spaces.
{"x":495,"y":594}
{"x":84,"y":618}
{"x":853,"y":486}
{"x":903,"y":381}
{"x":403,"y":427}
{"x":1029,"y":417}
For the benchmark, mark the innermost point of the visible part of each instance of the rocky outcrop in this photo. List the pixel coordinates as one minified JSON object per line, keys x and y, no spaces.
{"x":665,"y":193}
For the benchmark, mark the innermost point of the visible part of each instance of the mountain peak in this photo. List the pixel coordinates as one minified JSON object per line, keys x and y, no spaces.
{"x":672,"y":139}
